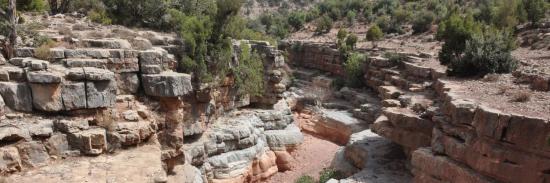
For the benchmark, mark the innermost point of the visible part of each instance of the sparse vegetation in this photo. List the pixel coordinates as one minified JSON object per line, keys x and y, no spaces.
{"x":521,"y":96}
{"x":305,"y":179}
{"x":43,"y":51}
{"x":328,"y":174}
{"x":99,"y":16}
{"x":324,"y":176}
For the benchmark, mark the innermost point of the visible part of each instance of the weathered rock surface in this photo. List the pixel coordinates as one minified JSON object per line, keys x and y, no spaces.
{"x":141,"y":164}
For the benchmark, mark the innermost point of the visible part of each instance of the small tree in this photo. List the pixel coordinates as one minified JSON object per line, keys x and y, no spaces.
{"x":374,"y":34}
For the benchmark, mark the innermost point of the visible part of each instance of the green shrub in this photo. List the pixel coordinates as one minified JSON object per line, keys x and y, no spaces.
{"x":354,"y":70}
{"x":374,"y":34}
{"x":454,"y":31}
{"x":423,"y":21}
{"x":536,"y":10}
{"x":350,"y":17}
{"x":43,"y":50}
{"x":394,"y":58}
{"x":383,"y":22}
{"x":487,"y":52}
{"x":305,"y":179}
{"x":328,"y":174}
{"x":324,"y":25}
{"x":32,"y":5}
{"x":250,"y":71}
{"x":297,"y":20}
{"x":99,"y":17}
{"x":351,"y":40}
{"x":145,"y":13}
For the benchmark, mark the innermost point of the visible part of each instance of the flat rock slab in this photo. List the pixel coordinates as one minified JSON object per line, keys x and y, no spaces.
{"x":141,"y":164}
{"x":385,"y":162}
{"x":343,"y":117}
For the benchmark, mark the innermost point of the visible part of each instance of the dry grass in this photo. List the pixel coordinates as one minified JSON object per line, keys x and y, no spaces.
{"x":317,"y":94}
{"x":79,"y":27}
{"x":124,"y":33}
{"x":43,"y":51}
{"x":491,"y":78}
{"x":141,"y":43}
{"x":96,"y":34}
{"x":66,"y":31}
{"x":521,"y":96}
{"x":105,"y":118}
{"x":502,"y":89}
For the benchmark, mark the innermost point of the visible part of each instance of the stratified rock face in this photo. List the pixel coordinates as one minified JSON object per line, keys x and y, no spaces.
{"x":315,"y":56}
{"x":447,"y":137}
{"x":247,"y":146}
{"x":484,"y":144}
{"x":125,"y":97}
{"x":336,"y":126}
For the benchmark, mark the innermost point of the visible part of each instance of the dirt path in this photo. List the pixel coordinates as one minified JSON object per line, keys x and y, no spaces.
{"x":310,"y":158}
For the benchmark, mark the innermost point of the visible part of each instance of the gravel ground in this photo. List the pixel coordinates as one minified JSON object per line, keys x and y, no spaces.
{"x":311,"y":157}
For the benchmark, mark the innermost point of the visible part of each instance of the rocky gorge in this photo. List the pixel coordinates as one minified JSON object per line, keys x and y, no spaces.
{"x":117,"y":109}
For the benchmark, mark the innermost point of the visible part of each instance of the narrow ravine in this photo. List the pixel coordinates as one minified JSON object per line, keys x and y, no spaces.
{"x":336,"y":124}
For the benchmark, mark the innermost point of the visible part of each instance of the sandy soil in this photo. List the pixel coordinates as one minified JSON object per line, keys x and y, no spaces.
{"x":310,"y":158}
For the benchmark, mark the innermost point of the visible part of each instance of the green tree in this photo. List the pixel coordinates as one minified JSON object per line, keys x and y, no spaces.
{"x":374,"y":34}
{"x":535,"y":10}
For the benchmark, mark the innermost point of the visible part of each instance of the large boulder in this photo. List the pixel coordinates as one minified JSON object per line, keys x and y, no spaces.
{"x":167,"y":84}
{"x":17,"y":96}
